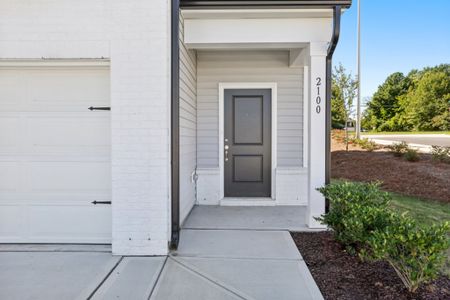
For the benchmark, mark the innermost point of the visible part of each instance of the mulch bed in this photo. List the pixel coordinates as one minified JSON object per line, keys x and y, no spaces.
{"x":342,"y":276}
{"x":426,"y":178}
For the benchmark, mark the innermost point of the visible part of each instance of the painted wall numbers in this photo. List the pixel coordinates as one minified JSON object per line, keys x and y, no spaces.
{"x":318,"y":98}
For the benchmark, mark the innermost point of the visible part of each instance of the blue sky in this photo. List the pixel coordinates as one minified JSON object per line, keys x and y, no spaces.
{"x":396,"y":35}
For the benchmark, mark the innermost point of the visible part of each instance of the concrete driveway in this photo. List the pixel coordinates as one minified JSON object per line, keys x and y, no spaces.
{"x":47,"y":273}
{"x":224,"y":253}
{"x":209,"y":264}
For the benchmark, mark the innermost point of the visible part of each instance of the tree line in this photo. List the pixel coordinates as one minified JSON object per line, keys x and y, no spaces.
{"x":418,"y":101}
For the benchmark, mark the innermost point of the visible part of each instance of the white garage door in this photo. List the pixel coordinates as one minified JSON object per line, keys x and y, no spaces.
{"x":54,"y":155}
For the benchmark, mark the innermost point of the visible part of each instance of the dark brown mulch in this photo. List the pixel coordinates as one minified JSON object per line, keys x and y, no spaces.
{"x":426,"y":178}
{"x":342,"y":276}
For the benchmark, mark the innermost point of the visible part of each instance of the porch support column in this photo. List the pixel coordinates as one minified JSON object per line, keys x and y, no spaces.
{"x":316,"y":173}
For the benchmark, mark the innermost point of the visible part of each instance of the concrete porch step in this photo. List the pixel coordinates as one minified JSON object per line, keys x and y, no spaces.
{"x":254,"y":218}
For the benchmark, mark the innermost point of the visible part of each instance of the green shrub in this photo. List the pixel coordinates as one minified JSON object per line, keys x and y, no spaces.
{"x":398,"y":149}
{"x":415,"y":252}
{"x":366,"y":144}
{"x":336,"y":125}
{"x":356,"y":209}
{"x":441,"y":153}
{"x":411,"y":155}
{"x":361,"y":220}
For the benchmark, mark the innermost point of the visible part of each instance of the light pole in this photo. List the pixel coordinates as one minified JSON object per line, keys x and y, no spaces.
{"x":358,"y":75}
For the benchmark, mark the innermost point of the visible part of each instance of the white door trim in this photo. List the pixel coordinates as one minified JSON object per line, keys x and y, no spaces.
{"x":247,"y":85}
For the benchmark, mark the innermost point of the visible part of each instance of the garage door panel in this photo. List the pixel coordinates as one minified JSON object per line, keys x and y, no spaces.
{"x":12,"y":91}
{"x":69,"y":87}
{"x":9,"y":177}
{"x":54,"y":155}
{"x":53,"y":89}
{"x":75,"y":223}
{"x":9,"y":132}
{"x":12,"y":222}
{"x":69,"y":176}
{"x":69,"y":133}
{"x":54,"y":199}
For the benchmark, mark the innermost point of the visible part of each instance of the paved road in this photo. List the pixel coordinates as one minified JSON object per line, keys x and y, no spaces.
{"x":422,"y":139}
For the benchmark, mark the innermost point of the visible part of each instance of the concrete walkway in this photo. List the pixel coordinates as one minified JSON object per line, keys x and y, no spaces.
{"x":209,"y":264}
{"x":236,"y":264}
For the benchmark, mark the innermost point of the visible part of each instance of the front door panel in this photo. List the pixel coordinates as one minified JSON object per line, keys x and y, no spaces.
{"x":247,"y":143}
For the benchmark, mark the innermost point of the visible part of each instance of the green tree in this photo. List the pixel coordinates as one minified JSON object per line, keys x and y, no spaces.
{"x":342,"y":96}
{"x":427,"y":105}
{"x":418,"y":101}
{"x":385,"y":107}
{"x":343,"y":92}
{"x":337,"y":107}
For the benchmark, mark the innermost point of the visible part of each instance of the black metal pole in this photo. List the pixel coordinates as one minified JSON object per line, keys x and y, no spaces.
{"x":331,"y":48}
{"x":175,"y":126}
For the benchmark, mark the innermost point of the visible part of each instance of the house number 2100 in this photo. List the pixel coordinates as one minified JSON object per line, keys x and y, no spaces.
{"x":318,"y":99}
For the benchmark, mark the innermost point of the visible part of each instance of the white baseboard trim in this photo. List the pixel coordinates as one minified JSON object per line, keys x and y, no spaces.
{"x":247,"y":201}
{"x":291,"y":189}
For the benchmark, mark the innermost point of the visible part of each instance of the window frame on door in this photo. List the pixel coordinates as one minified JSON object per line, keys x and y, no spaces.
{"x":247,"y":85}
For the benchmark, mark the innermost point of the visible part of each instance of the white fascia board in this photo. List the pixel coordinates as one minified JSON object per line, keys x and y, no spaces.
{"x":245,"y":13}
{"x":290,"y":31}
{"x":247,"y":46}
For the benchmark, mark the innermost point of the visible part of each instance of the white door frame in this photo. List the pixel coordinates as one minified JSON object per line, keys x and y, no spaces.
{"x":247,"y":85}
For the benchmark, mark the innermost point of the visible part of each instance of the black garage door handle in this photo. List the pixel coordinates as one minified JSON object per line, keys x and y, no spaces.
{"x":100,"y":202}
{"x":99,"y":108}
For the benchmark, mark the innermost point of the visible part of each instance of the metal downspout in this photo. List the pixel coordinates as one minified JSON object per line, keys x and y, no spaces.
{"x":174,"y":125}
{"x":333,"y":43}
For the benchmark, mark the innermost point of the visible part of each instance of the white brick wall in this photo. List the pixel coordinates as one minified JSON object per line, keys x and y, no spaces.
{"x":54,"y":28}
{"x":135,"y":35}
{"x":140,"y":61}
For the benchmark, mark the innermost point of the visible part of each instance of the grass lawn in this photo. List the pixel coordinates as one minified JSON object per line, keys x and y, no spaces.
{"x":424,"y":211}
{"x":404,"y":132}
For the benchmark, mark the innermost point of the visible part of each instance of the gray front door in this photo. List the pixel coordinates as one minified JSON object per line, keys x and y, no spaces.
{"x":247,"y":143}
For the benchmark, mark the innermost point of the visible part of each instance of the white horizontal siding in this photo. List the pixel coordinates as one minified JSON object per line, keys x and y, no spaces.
{"x":249,"y":66}
{"x":188,"y":126}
